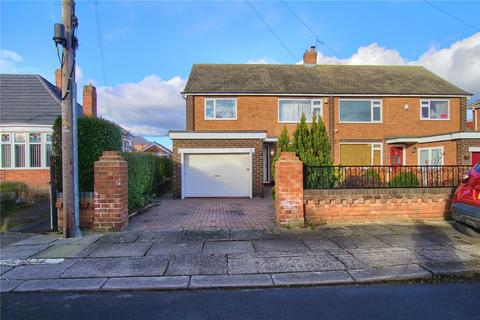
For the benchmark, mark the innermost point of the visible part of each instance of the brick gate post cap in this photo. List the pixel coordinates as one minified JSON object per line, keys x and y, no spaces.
{"x":110,"y":154}
{"x":288,"y":156}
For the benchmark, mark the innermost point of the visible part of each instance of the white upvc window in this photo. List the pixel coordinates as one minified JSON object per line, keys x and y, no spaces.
{"x":430,"y":156}
{"x":435,"y":109}
{"x":360,"y":110}
{"x":290,"y":110}
{"x":25,"y":150}
{"x":220,"y":109}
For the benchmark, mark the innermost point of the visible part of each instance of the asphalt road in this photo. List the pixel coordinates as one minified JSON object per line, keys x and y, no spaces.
{"x":459,"y":300}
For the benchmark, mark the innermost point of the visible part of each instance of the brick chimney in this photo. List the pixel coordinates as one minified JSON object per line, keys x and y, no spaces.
{"x":90,"y":101}
{"x":310,"y":57}
{"x":58,"y":79}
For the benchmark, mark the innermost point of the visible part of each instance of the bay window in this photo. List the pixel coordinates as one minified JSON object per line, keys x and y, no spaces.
{"x":25,"y":150}
{"x":290,"y":110}
{"x":354,"y":111}
{"x":221,"y":109}
{"x":435,"y":110}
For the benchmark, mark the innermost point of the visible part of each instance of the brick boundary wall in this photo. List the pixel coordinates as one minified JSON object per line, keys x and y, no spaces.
{"x":257,"y":160}
{"x":37,"y":180}
{"x":111,"y":192}
{"x":289,"y":190}
{"x":87,"y":210}
{"x":377,"y":205}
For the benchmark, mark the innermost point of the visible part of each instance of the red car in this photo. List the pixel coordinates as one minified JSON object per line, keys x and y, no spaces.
{"x":466,"y":202}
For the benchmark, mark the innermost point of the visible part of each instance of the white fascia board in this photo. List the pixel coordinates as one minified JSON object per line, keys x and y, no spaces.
{"x":279,"y":94}
{"x":216,"y":150}
{"x":270,"y":140}
{"x":26,"y":128}
{"x":216,"y":135}
{"x":474,"y":149}
{"x":443,"y":137}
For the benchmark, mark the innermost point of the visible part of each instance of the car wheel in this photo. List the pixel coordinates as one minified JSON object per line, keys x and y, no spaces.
{"x":467,"y":230}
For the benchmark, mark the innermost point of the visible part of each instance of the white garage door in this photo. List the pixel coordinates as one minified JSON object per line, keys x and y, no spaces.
{"x":217,"y":175}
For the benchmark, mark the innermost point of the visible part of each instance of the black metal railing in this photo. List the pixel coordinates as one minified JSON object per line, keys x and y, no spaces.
{"x":360,"y":177}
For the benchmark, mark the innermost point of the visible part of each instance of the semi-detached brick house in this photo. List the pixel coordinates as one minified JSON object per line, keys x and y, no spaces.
{"x":29,"y":105}
{"x":374,"y":115}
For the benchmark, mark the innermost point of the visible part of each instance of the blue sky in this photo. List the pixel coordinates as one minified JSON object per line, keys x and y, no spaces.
{"x":149,"y":46}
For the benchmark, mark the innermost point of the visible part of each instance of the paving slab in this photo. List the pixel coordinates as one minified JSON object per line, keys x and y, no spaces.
{"x":106,"y":250}
{"x":410,"y":240}
{"x":444,"y":254}
{"x":471,"y":249}
{"x":406,"y":229}
{"x":370,"y":229}
{"x":22,"y":252}
{"x":359,"y":241}
{"x":64,"y":250}
{"x":280,"y":245}
{"x":126,"y":236}
{"x":387,"y":256}
{"x":169,"y":236}
{"x":231,"y":281}
{"x":251,"y":234}
{"x":405,"y":272}
{"x":117,"y":267}
{"x":42,"y":271}
{"x":205,"y":235}
{"x":227,"y":247}
{"x":4,"y":269}
{"x":333,"y":231}
{"x":175,"y":248}
{"x":464,"y":269}
{"x":446,"y":239}
{"x":38,"y":239}
{"x":9,"y":285}
{"x":302,"y":263}
{"x":62,"y":285}
{"x":85,"y":239}
{"x":348,"y":260}
{"x":197,"y":264}
{"x":320,"y":244}
{"x":146,"y":283}
{"x":8,"y":238}
{"x":311,"y":278}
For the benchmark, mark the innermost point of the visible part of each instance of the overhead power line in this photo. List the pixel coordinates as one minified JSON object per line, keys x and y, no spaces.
{"x":102,"y":58}
{"x":452,"y":16}
{"x":318,"y":39}
{"x":271,"y":30}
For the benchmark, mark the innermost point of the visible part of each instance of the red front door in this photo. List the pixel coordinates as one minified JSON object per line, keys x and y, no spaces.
{"x":475,"y":158}
{"x":396,"y":156}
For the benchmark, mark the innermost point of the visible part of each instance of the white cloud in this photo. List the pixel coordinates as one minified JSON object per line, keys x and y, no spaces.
{"x":459,"y":63}
{"x":263,"y":60}
{"x":149,"y":107}
{"x":119,"y":33}
{"x":10,"y":61}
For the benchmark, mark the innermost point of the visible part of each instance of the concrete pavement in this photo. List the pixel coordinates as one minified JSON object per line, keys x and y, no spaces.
{"x":192,"y":259}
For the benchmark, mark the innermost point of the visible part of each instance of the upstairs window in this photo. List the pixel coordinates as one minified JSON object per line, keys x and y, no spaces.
{"x":435,"y":110}
{"x":220,"y":109}
{"x":355,"y":111}
{"x":290,"y":110}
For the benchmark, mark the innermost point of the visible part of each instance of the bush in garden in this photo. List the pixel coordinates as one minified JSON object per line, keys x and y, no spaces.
{"x":95,"y":135}
{"x":404,"y":180}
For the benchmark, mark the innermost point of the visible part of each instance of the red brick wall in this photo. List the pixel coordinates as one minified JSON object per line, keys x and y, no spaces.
{"x":464,"y":156}
{"x":87,"y":211}
{"x":376,"y":205}
{"x":111,"y":192}
{"x":257,"y":160}
{"x":37,"y":180}
{"x":289,"y":190}
{"x":89,"y":101}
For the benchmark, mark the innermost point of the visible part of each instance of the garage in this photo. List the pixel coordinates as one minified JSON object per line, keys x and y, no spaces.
{"x":217,"y":175}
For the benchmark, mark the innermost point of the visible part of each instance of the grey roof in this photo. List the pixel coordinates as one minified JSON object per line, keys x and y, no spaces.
{"x":140,"y":140}
{"x":29,"y":99}
{"x":321,"y":79}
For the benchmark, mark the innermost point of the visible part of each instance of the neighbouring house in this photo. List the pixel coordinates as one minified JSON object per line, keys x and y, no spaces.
{"x":374,"y":115}
{"x":29,"y":105}
{"x":474,"y":123}
{"x":143,"y":145}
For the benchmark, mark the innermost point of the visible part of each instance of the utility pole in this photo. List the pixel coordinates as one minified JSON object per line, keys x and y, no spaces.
{"x":69,"y":130}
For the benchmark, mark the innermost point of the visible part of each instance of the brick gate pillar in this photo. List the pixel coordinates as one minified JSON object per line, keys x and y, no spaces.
{"x":111,"y":193}
{"x":289,"y":190}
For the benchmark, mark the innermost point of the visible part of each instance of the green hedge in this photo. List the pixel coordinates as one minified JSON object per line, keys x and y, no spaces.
{"x":10,"y":193}
{"x":95,"y":135}
{"x":148,"y":176}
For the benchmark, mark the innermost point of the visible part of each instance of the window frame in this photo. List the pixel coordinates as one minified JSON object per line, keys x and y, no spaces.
{"x":26,"y":153}
{"x":9,"y":143}
{"x":429,"y":106}
{"x":300,"y":99}
{"x":372,"y":152}
{"x":371,"y":111}
{"x":215,"y":109}
{"x":429,"y":149}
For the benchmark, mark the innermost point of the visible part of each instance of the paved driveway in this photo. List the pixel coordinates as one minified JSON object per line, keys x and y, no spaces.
{"x":207,"y":214}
